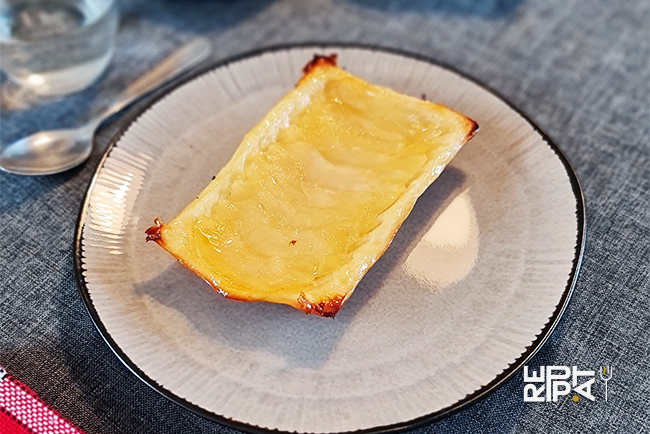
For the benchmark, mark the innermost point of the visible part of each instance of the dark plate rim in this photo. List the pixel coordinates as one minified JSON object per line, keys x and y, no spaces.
{"x":535,"y":346}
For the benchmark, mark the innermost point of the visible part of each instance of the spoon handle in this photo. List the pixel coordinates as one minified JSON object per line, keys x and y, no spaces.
{"x":179,"y":62}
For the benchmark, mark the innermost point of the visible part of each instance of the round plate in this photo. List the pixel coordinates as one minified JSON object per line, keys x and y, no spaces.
{"x":471,"y":287}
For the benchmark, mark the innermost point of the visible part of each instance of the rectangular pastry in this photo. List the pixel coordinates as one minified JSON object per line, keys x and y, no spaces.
{"x":315,"y":193}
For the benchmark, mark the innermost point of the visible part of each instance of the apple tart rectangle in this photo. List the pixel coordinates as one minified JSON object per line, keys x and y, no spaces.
{"x":315,"y":193}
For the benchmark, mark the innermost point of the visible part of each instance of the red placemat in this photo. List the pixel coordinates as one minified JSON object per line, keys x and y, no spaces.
{"x":23,"y":412}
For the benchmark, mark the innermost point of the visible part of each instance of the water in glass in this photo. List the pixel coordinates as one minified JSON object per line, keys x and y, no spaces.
{"x":56,"y":47}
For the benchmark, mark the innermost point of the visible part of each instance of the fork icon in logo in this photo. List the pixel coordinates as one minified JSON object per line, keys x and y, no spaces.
{"x":606,"y":375}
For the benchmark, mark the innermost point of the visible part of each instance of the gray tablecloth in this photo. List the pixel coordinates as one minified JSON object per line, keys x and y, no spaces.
{"x":579,"y":68}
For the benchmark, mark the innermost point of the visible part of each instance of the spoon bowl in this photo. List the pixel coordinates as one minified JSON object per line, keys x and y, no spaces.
{"x":46,"y":152}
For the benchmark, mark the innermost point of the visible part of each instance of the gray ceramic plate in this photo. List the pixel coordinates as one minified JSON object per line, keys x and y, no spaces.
{"x":473,"y":284}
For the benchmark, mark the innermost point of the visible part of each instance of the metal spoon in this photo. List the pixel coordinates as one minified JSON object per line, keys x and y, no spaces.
{"x":55,"y":151}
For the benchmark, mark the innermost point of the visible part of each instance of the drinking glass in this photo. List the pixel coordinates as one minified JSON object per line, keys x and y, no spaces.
{"x":56,"y":47}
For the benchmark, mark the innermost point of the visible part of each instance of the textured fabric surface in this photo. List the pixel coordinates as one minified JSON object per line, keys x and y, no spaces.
{"x":579,"y":68}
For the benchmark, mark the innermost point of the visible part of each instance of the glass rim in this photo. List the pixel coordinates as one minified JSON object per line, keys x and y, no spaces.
{"x":111,"y":5}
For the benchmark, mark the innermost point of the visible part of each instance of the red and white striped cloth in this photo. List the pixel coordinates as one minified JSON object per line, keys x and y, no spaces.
{"x":23,"y":412}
